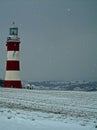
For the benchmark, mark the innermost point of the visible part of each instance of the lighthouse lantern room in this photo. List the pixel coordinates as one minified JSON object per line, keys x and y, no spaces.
{"x":12,"y":75}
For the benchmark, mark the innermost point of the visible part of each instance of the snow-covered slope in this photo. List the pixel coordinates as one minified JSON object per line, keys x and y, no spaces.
{"x":42,"y":109}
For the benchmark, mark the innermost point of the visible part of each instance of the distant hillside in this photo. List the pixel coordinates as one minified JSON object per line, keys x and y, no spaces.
{"x":59,"y":85}
{"x":1,"y":82}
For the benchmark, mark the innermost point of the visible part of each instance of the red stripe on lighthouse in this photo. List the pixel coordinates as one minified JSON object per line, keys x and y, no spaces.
{"x":12,"y":65}
{"x":12,"y":46}
{"x":13,"y":84}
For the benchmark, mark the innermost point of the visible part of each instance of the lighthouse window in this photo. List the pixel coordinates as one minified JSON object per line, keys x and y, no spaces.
{"x":13,"y":31}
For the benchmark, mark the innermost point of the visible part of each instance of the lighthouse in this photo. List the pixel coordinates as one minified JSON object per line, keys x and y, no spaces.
{"x":12,"y":75}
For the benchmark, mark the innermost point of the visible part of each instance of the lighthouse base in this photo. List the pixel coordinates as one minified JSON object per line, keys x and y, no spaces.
{"x":12,"y":84}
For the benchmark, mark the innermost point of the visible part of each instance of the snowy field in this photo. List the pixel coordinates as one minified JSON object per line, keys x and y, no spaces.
{"x":22,"y":109}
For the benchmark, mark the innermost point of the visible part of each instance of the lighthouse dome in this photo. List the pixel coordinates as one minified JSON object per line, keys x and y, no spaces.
{"x":13,"y":30}
{"x":13,"y":33}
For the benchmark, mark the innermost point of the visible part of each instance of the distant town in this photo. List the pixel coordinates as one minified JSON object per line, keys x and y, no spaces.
{"x":59,"y":85}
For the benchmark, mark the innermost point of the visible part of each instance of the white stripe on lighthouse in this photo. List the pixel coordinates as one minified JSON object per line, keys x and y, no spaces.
{"x":12,"y":75}
{"x":13,"y":55}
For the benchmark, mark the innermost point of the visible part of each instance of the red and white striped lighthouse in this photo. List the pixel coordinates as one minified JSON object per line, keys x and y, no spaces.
{"x":12,"y":76}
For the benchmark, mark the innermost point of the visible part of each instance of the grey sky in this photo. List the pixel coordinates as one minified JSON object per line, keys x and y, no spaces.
{"x":58,"y":38}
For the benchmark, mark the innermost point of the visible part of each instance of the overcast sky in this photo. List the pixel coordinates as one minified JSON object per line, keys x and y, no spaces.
{"x":58,"y":38}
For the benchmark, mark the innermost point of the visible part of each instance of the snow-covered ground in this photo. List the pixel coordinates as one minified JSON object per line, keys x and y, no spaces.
{"x":22,"y":109}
